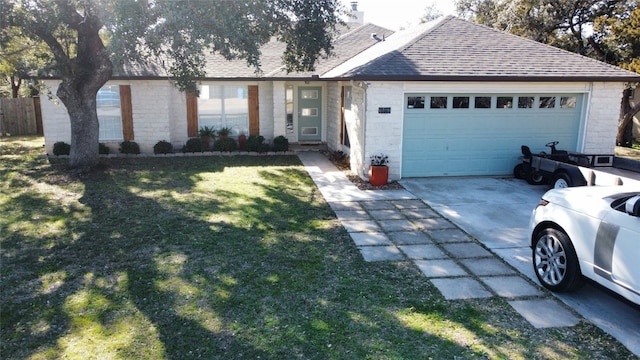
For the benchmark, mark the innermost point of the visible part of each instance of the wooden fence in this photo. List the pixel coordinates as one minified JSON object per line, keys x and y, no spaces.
{"x":20,"y":116}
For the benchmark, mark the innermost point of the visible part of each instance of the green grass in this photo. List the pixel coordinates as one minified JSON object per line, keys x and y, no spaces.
{"x":223,"y":258}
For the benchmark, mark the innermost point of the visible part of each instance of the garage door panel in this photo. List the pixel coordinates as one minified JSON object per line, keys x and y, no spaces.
{"x":457,"y":142}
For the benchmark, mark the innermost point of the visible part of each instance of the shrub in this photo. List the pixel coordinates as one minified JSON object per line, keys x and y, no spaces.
{"x":129,"y":147}
{"x":280,"y":143}
{"x":103,"y":149}
{"x":61,"y":148}
{"x":255,"y":143}
{"x":162,"y":147}
{"x":225,"y":144}
{"x":193,"y":145}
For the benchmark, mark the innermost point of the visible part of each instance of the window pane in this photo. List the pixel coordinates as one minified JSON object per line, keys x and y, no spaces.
{"x":415,"y":102}
{"x":568,"y":102}
{"x":311,"y":112}
{"x":109,"y":113}
{"x":504,"y":102}
{"x":309,"y":94}
{"x":224,"y":106}
{"x":438,"y":102}
{"x":210,"y":106}
{"x":525,"y":102}
{"x":236,"y":110}
{"x":289,"y":104}
{"x":547,"y":102}
{"x":482,"y":102}
{"x":460,"y":102}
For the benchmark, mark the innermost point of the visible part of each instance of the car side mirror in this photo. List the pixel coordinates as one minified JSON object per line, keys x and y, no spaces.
{"x":633,"y":206}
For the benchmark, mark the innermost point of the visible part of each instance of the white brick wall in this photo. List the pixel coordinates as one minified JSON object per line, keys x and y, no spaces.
{"x":354,"y":121}
{"x":159,"y":113}
{"x":279,"y":113}
{"x":266,"y":100}
{"x":55,"y":119}
{"x":383,"y":132}
{"x":602,"y":118}
{"x":334,"y":103}
{"x":156,"y":114}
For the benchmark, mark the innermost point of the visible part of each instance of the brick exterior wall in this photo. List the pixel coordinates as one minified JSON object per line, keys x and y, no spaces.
{"x":334,"y":105}
{"x":354,"y":122}
{"x":159,"y":113}
{"x":602,"y":118}
{"x":279,"y":113}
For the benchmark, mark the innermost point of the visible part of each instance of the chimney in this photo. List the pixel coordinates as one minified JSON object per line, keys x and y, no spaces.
{"x":358,"y":16}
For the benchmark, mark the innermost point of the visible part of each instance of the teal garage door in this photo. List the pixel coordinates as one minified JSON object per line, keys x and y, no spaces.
{"x":481,"y":134}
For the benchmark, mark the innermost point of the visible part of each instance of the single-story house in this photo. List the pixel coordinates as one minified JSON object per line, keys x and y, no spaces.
{"x":445,"y":98}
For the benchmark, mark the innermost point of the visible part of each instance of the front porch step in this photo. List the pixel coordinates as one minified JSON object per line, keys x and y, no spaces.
{"x":308,"y":146}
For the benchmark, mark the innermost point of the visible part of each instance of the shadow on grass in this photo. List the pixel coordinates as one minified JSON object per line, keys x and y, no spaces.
{"x":167,"y":258}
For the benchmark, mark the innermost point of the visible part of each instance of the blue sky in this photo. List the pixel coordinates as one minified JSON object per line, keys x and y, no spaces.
{"x":394,"y":14}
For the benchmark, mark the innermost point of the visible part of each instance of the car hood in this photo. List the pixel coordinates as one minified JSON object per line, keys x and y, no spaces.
{"x":591,"y":200}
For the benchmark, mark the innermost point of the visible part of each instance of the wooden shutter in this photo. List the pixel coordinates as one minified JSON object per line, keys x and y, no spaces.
{"x":192,"y":114}
{"x":254,"y":111}
{"x":127,"y":112}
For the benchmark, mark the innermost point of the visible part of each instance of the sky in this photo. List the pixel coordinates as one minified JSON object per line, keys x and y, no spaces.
{"x":394,"y":14}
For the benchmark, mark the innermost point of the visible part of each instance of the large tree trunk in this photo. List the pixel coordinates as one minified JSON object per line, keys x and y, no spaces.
{"x":624,"y":136}
{"x":81,"y":107}
{"x":15,"y":86}
{"x":82,"y":77}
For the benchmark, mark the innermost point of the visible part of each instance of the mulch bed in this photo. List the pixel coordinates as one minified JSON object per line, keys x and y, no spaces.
{"x":342,"y":163}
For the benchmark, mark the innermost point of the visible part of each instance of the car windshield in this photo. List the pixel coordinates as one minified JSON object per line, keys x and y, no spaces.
{"x":618,"y":201}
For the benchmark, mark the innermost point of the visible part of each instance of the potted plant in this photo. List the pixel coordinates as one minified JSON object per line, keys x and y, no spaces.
{"x":224,"y":132}
{"x":242,"y":141}
{"x":206,"y":134}
{"x":378,"y":169}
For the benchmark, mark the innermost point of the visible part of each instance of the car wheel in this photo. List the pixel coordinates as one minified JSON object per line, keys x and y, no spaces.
{"x":519,"y":172}
{"x":535,"y":179}
{"x":555,"y":261}
{"x":561,"y":180}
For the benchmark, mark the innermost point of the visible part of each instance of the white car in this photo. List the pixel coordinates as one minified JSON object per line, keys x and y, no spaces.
{"x":588,"y":231}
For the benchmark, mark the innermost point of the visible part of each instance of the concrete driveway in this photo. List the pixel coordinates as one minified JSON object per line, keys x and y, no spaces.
{"x":496,"y":211}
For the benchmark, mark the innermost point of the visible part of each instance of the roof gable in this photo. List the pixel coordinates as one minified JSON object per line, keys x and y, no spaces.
{"x":454,"y":49}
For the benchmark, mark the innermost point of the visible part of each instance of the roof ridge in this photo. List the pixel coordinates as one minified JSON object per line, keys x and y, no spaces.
{"x":438,"y":24}
{"x":555,"y":48}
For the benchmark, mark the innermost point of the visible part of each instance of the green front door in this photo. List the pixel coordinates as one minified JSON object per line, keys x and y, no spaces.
{"x":309,"y":113}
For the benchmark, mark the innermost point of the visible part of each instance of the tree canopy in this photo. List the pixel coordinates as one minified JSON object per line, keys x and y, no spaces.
{"x":88,"y":39}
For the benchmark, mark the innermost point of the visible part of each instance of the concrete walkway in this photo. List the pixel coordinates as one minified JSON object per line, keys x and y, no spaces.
{"x":395,"y":225}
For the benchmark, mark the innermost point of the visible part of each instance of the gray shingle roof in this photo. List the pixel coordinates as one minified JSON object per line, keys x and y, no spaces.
{"x":455,"y":49}
{"x":354,"y":39}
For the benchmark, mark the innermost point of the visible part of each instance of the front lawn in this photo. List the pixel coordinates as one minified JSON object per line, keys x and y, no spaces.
{"x":223,"y":258}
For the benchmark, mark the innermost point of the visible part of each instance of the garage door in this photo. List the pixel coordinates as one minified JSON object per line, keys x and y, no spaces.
{"x":481,"y":134}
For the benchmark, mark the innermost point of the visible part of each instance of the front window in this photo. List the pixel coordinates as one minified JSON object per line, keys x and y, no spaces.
{"x":289,"y":104}
{"x":224,"y":106}
{"x":109,"y":113}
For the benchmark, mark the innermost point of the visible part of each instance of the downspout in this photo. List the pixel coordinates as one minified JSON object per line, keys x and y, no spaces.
{"x":365,"y":169}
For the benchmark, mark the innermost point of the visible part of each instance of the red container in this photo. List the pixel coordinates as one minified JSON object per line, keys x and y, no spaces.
{"x":378,"y":175}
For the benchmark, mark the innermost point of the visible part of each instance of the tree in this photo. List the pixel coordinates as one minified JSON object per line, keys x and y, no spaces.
{"x":619,"y":33}
{"x":88,"y":39}
{"x":608,"y":30}
{"x":431,"y":12}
